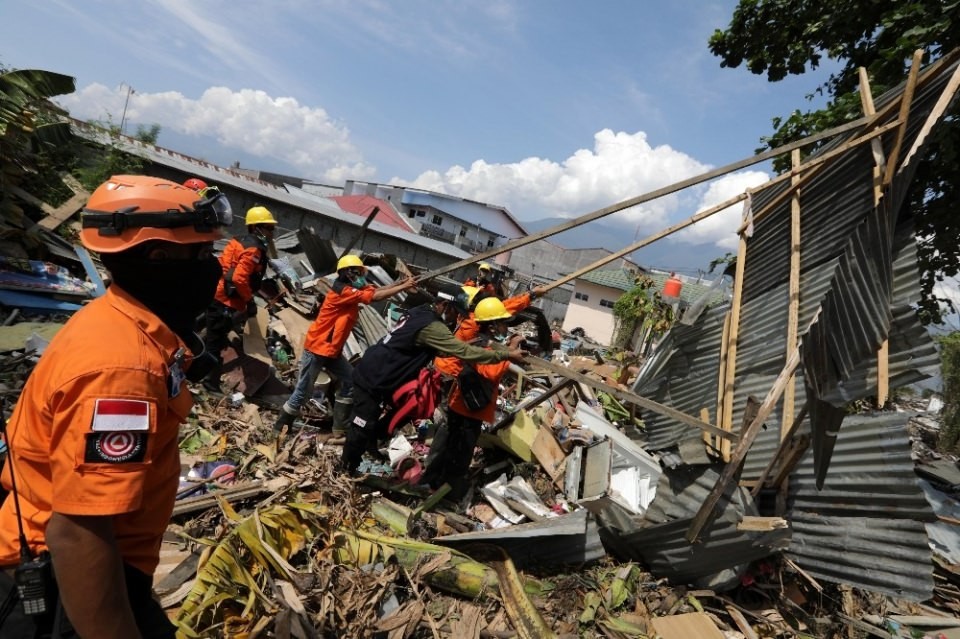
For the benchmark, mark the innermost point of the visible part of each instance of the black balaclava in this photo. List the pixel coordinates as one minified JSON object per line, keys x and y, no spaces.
{"x":175,"y":290}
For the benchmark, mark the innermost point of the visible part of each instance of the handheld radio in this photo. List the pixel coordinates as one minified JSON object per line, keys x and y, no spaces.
{"x":33,"y":575}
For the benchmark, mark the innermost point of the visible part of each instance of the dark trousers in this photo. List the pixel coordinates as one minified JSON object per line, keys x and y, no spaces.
{"x":367,"y":425}
{"x":15,"y":624}
{"x":218,"y":321}
{"x":451,"y":453}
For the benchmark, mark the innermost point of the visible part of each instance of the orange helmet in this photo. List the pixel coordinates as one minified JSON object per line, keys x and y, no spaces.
{"x":195,"y":184}
{"x":128,"y":210}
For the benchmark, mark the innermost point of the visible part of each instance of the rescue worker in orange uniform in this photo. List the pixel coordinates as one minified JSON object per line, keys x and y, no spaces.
{"x":244,"y":263}
{"x":452,"y":449}
{"x":398,"y":358}
{"x":468,"y":328}
{"x":92,"y":442}
{"x":323,"y":345}
{"x":484,"y":279}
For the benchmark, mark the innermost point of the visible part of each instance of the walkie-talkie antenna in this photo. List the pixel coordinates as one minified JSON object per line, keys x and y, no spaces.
{"x":25,"y":554}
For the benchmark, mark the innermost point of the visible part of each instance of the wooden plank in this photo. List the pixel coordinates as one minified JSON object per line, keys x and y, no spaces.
{"x":726,"y":421}
{"x":934,"y":116}
{"x":741,"y":622}
{"x":906,"y":100}
{"x":866,"y":100}
{"x":706,"y":513}
{"x":532,"y":402}
{"x":627,"y":396}
{"x":647,"y":197}
{"x":793,"y":298}
{"x":784,"y":444}
{"x":761,"y":524}
{"x":550,"y":455}
{"x":297,"y":326}
{"x":692,"y":625}
{"x":255,"y":336}
{"x":722,"y":376}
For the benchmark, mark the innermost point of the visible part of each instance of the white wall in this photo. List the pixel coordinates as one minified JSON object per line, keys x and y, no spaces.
{"x":596,"y":320}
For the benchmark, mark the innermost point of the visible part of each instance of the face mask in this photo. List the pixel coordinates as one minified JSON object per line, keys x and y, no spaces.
{"x":175,"y":290}
{"x":359,"y":282}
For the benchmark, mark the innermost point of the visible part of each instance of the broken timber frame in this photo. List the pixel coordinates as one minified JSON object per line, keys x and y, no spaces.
{"x":627,"y":396}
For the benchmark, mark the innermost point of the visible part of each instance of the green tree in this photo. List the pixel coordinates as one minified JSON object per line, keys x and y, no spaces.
{"x":781,"y":37}
{"x":102,"y":162}
{"x":31,"y":127}
{"x":641,"y":308}
{"x":950,"y":370}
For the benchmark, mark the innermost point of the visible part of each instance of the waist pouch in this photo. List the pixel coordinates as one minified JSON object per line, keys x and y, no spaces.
{"x":476,"y":390}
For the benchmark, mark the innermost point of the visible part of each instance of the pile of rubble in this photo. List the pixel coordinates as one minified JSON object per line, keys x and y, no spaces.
{"x":571,"y":526}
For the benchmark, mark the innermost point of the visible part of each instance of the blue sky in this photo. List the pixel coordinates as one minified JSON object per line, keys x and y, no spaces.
{"x":550,"y":108}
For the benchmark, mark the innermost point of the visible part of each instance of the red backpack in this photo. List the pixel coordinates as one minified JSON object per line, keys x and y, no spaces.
{"x":416,"y":399}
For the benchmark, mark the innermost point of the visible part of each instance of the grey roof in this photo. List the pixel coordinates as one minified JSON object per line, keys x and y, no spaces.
{"x":871,"y":507}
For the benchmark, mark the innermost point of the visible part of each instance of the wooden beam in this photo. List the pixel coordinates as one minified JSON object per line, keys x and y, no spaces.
{"x":652,"y":195}
{"x":533,"y":401}
{"x":627,"y":396}
{"x":793,"y":297}
{"x":722,"y":376}
{"x":706,"y":513}
{"x":812,"y":167}
{"x":883,"y":354}
{"x":726,"y":420}
{"x":943,"y":102}
{"x":784,"y":443}
{"x":906,"y":100}
{"x":650,"y":239}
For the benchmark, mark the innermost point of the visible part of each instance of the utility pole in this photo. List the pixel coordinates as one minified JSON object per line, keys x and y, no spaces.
{"x":123,"y":118}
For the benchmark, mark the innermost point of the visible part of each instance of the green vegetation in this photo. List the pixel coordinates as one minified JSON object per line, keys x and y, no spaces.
{"x":641,"y":308}
{"x":781,"y":37}
{"x":950,"y":416}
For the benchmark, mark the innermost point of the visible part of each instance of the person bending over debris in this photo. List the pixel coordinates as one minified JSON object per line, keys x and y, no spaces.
{"x":396,"y":361}
{"x":244,"y":263}
{"x":468,"y":328}
{"x":473,"y":400}
{"x":93,"y":454}
{"x":323,"y":346}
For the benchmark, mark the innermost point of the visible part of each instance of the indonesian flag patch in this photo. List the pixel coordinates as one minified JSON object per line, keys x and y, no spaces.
{"x":113,"y":415}
{"x":115,"y":448}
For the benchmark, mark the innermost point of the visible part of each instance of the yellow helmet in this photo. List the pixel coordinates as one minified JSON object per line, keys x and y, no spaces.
{"x":259,"y":215}
{"x":490,"y":309}
{"x":485,"y":267}
{"x":350,"y":260}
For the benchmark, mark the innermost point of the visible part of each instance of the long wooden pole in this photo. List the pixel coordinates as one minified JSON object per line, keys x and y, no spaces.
{"x":647,"y":197}
{"x":793,"y":299}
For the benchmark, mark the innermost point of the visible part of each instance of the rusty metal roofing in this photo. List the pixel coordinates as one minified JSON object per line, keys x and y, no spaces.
{"x":866,"y":526}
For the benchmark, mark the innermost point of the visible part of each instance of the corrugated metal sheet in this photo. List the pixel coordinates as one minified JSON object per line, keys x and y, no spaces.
{"x":866,"y":527}
{"x":572,"y":539}
{"x":834,"y":205}
{"x":660,"y":539}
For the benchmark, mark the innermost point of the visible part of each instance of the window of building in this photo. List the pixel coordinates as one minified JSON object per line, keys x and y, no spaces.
{"x":582,"y":296}
{"x":421,"y":213}
{"x":411,"y":213}
{"x":490,"y":243}
{"x":606,"y":303}
{"x":437,"y":219}
{"x":463,"y":231}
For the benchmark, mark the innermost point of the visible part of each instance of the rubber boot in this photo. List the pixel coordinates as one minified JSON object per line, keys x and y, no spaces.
{"x":285,"y":419}
{"x":358,"y":440}
{"x":342,"y":411}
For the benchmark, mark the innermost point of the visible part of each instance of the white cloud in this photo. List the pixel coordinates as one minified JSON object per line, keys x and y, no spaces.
{"x":721,"y":228}
{"x":620,"y":166}
{"x":281,"y":128}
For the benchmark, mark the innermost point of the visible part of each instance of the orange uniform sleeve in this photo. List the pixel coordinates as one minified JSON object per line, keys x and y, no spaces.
{"x":104,"y":431}
{"x":517,"y":303}
{"x":248,"y":263}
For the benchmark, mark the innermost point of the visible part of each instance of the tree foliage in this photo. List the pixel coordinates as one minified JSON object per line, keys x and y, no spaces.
{"x":30,"y":127}
{"x":789,"y":37}
{"x":641,"y":307}
{"x":950,"y":370}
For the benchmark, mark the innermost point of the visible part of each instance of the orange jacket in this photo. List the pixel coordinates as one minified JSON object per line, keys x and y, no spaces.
{"x":337,"y":317}
{"x":95,"y":430}
{"x":244,"y":262}
{"x":469,"y":328}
